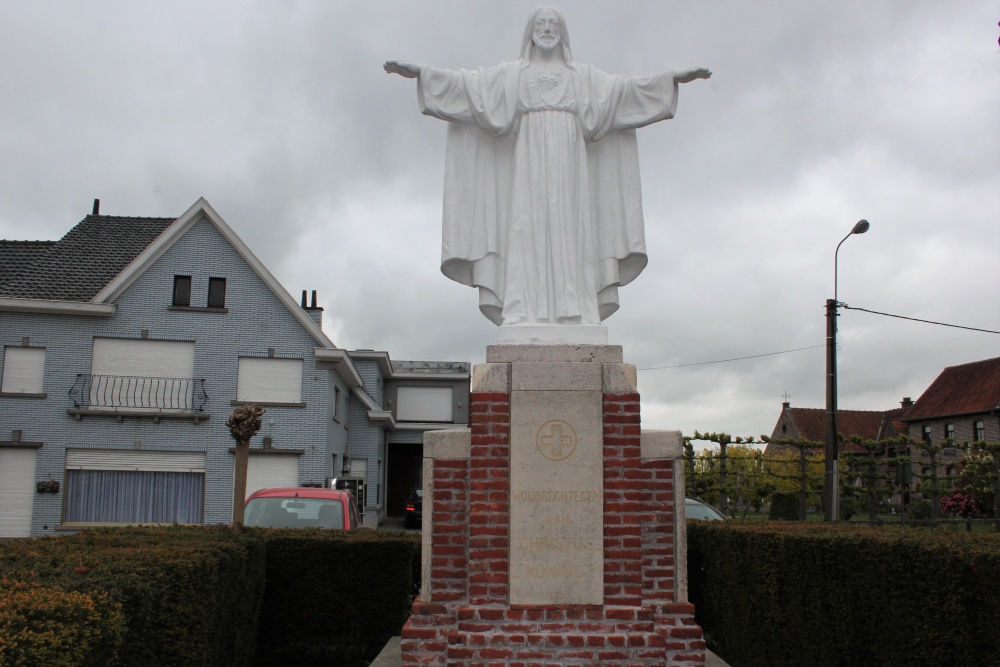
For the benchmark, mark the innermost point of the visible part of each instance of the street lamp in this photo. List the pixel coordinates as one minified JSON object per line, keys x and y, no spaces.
{"x":831,"y":508}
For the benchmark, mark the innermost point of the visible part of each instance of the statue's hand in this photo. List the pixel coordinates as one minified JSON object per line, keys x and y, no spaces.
{"x":409,"y":70}
{"x":687,"y":75}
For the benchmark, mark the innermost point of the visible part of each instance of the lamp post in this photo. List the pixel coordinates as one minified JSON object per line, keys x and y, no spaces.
{"x":831,"y":508}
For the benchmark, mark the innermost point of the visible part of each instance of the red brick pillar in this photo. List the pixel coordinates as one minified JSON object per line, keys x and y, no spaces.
{"x":489,"y":476}
{"x":464,"y":617}
{"x":623,"y":501}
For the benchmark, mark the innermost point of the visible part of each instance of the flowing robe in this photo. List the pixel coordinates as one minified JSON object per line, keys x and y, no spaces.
{"x":542,"y":202}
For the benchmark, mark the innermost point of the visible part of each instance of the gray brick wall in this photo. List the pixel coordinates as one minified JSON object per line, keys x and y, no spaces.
{"x":963,"y":427}
{"x":256,"y":321}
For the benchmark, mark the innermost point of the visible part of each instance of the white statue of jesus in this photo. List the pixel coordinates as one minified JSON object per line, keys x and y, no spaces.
{"x":542,"y":203}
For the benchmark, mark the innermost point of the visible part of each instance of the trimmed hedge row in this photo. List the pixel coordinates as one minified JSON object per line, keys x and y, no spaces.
{"x":186,"y":595}
{"x":193,"y":595}
{"x":780,"y":595}
{"x":42,"y":625}
{"x":335,"y":597}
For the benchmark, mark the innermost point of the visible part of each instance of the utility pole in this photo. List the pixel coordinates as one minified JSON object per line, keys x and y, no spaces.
{"x":831,"y":490}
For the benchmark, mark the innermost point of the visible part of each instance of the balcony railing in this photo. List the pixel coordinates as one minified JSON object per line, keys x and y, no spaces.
{"x":138,"y":394}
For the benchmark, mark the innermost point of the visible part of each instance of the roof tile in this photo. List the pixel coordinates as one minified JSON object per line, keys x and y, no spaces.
{"x":80,"y":264}
{"x":959,"y":390}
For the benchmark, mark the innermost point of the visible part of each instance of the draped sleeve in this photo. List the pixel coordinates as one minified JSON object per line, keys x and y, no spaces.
{"x":481,"y":107}
{"x":610,"y":108}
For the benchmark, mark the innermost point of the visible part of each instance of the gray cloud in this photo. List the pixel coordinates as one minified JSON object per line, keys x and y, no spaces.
{"x":818,"y":114}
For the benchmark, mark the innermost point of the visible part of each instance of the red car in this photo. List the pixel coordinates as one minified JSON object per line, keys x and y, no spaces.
{"x":302,"y":508}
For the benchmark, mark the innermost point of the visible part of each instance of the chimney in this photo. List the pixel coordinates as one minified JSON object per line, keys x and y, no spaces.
{"x":315,"y":312}
{"x":786,"y":404}
{"x":907,"y":402}
{"x":97,"y":207}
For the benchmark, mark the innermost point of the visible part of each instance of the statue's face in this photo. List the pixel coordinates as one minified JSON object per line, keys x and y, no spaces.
{"x":547,"y":30}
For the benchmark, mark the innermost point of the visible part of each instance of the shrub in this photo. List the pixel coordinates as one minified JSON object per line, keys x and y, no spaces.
{"x":335,"y":597}
{"x":848,"y":507}
{"x":919,"y":510}
{"x":784,"y":507}
{"x":42,"y":625}
{"x":188,"y":595}
{"x":959,"y":504}
{"x":846,"y":596}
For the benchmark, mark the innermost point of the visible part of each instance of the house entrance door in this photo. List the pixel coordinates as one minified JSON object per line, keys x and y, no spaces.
{"x":404,"y":472}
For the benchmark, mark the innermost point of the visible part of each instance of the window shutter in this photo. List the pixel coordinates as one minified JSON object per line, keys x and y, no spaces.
{"x":143,"y":358}
{"x":424,"y":404}
{"x":23,"y":370}
{"x":128,"y":459}
{"x":268,"y":380}
{"x":269,"y":471}
{"x":17,"y":492}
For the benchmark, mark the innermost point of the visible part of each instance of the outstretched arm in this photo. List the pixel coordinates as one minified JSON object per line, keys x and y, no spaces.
{"x":408,"y":70}
{"x":688,"y":75}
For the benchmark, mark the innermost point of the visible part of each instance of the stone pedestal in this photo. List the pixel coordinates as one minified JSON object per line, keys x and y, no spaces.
{"x":553,"y":528}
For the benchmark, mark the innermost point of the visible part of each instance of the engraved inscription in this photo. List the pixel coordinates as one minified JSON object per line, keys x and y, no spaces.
{"x":554,"y":572}
{"x":549,"y":496}
{"x":556,"y":498}
{"x":556,"y":440}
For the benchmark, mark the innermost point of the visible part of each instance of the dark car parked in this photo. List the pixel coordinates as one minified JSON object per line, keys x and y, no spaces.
{"x":414,"y":509}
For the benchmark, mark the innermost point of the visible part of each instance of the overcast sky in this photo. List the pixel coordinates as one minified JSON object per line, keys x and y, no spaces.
{"x":817,"y":114}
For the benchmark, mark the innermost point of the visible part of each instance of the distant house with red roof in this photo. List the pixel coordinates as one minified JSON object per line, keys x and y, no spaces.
{"x":963,"y":403}
{"x":810,"y":424}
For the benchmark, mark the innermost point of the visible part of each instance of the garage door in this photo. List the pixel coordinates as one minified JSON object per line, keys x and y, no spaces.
{"x":267,"y":471}
{"x":17,"y":482}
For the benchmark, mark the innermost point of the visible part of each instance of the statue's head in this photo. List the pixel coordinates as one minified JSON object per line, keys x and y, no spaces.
{"x":546,"y":31}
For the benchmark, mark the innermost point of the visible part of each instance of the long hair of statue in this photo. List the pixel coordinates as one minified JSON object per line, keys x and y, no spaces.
{"x":528,"y":44}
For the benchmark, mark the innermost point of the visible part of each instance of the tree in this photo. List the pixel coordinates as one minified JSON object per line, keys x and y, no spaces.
{"x":712,"y":478}
{"x":869,"y":468}
{"x":930,"y":482}
{"x":801,"y":472}
{"x":747,"y":484}
{"x":243,"y":424}
{"x":980,"y":476}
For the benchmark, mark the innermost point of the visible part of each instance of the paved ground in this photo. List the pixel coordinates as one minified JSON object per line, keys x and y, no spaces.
{"x":392,"y":523}
{"x":391,"y":656}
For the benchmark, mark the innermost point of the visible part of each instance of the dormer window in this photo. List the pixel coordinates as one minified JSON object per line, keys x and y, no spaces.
{"x":182,"y":291}
{"x":216,"y":292}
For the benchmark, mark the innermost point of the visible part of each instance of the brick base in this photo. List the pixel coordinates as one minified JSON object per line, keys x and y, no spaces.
{"x":469,"y":622}
{"x":540,"y":636}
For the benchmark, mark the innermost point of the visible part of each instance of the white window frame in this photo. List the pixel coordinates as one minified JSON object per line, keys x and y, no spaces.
{"x":121,"y":369}
{"x":269,"y":380}
{"x":423,"y":404}
{"x":23,"y":370}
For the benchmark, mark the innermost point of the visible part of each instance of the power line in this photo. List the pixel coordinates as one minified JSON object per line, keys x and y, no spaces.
{"x":720,"y":361}
{"x":914,"y":319}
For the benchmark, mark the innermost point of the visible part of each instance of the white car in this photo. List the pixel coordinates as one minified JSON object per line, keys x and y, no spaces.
{"x":696,"y":509}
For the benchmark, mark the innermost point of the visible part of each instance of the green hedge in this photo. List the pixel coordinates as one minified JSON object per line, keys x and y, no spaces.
{"x":146,"y":597}
{"x":46,"y":625}
{"x":187,"y":595}
{"x":780,"y":595}
{"x":335,"y":597}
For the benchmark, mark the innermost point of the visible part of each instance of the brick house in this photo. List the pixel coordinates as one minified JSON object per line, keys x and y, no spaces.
{"x":810,"y":424}
{"x":962,"y":403}
{"x":127,"y":343}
